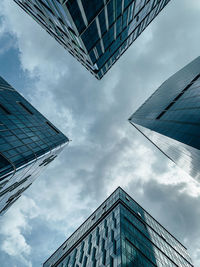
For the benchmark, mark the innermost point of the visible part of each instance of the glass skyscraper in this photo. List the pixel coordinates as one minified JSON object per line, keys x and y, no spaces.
{"x":120,"y":233}
{"x":95,"y":32}
{"x":28,"y":143}
{"x":170,"y":118}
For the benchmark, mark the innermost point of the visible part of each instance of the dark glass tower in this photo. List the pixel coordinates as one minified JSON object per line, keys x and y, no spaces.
{"x":96,"y":32}
{"x":170,"y":118}
{"x":120,"y":233}
{"x":28,"y":143}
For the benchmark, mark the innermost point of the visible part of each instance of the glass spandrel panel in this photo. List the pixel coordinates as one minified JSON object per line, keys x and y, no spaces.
{"x":92,"y":8}
{"x":90,"y":36}
{"x":102,"y":22}
{"x":5,"y":166}
{"x":76,"y":15}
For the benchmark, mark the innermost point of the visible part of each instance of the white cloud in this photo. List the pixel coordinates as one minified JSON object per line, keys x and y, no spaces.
{"x":13,"y":226}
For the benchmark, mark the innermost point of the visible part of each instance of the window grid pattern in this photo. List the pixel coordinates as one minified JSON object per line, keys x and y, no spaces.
{"x":126,"y":236}
{"x":147,"y":243}
{"x":170,"y":118}
{"x":89,"y":252}
{"x":96,"y":32}
{"x":27,"y":144}
{"x":54,"y":18}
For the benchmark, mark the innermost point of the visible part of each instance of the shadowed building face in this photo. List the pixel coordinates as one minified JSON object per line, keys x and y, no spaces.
{"x":120,"y":233}
{"x":170,"y":118}
{"x":96,"y":32}
{"x":28,"y":143}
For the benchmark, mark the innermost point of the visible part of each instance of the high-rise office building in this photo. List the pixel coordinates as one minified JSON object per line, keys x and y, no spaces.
{"x":95,"y":32}
{"x":28,"y":143}
{"x":120,"y":233}
{"x":170,"y":118}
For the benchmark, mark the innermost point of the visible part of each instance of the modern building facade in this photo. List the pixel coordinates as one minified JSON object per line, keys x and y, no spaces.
{"x":120,"y":233}
{"x":28,"y":143}
{"x":95,"y":32}
{"x":170,"y":118}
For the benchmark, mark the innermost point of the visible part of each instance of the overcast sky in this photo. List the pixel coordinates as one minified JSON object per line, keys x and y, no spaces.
{"x":106,"y":151}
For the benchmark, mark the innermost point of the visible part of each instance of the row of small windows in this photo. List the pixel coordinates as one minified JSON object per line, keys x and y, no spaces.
{"x":60,"y":33}
{"x":13,"y":186}
{"x":6,"y":111}
{"x":9,"y":204}
{"x":177,"y":97}
{"x":97,"y":240}
{"x":48,"y":160}
{"x":92,"y":249}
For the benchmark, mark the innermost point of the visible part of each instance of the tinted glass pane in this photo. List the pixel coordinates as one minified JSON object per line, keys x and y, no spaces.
{"x":92,"y":8}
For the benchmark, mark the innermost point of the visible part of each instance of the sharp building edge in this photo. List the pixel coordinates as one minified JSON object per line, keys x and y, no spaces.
{"x":170,"y":118}
{"x":120,"y":233}
{"x":28,"y":143}
{"x":95,"y":32}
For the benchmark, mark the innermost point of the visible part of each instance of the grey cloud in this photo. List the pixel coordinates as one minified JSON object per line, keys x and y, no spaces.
{"x":94,"y":114}
{"x":178,"y":212}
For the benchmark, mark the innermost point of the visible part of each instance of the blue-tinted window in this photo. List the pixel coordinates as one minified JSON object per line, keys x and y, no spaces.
{"x":110,"y":12}
{"x":92,"y":8}
{"x":108,"y":38}
{"x":90,"y":36}
{"x":102,"y":22}
{"x":76,"y":15}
